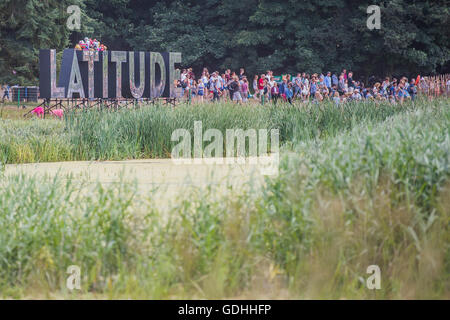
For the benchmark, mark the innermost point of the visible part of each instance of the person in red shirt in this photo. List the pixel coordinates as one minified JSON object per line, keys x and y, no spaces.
{"x":261,"y":85}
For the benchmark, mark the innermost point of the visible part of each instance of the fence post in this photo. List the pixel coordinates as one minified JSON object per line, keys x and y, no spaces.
{"x":18,"y":97}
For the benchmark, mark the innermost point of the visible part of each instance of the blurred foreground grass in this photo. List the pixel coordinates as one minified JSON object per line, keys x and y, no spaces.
{"x":373,"y":194}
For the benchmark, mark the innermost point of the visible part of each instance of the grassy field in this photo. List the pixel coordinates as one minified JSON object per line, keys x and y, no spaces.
{"x":363,"y":185}
{"x":9,"y":110}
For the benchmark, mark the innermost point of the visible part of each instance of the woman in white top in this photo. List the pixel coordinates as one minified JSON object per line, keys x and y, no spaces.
{"x":305,"y":90}
{"x":255,"y":87}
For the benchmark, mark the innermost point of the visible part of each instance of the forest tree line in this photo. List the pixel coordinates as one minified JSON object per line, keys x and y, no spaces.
{"x":285,"y":36}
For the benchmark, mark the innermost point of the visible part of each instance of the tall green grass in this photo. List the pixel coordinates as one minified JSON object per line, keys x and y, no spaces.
{"x":375,"y":194}
{"x":390,"y":171}
{"x":35,"y":140}
{"x":146,"y":133}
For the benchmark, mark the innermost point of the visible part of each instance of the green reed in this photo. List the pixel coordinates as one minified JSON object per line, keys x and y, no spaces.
{"x":146,"y":132}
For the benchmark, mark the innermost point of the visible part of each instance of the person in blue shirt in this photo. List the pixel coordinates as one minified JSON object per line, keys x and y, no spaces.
{"x":313,"y":88}
{"x":402,"y":93}
{"x":412,"y":90}
{"x":297,"y":85}
{"x":289,"y":93}
{"x":327,"y":80}
{"x":405,"y":93}
{"x":334,"y":80}
{"x":392,"y":90}
{"x":283,"y":87}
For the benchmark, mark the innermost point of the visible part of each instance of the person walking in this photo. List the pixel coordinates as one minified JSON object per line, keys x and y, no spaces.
{"x":275,"y":92}
{"x":255,"y":87}
{"x":412,"y":90}
{"x":244,"y":89}
{"x":6,"y":89}
{"x":200,"y":90}
{"x":297,"y":85}
{"x":261,"y":83}
{"x":327,"y":80}
{"x":216,"y":90}
{"x":235,"y":90}
{"x":334,"y":80}
{"x":289,"y":93}
{"x":241,"y":73}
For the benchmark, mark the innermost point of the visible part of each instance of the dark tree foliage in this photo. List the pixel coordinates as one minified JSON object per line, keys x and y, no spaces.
{"x":282,"y":35}
{"x":25,"y":27}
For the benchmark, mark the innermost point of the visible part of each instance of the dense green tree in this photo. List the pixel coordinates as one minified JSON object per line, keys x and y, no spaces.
{"x":414,"y":38}
{"x":282,"y":35}
{"x":204,"y":31}
{"x":25,"y":27}
{"x":332,"y":34}
{"x":113,"y":22}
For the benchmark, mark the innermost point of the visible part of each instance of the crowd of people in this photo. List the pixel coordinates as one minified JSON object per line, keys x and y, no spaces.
{"x":89,"y":44}
{"x":304,"y":87}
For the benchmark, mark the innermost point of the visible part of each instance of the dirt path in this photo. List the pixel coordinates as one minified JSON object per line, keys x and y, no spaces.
{"x":161,"y":178}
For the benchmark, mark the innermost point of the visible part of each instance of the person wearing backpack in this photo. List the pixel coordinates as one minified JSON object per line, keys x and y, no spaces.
{"x":235,"y":90}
